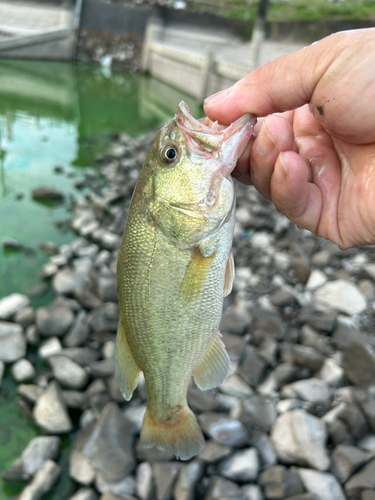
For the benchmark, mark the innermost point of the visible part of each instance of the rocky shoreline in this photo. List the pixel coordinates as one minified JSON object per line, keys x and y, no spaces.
{"x":294,"y":420}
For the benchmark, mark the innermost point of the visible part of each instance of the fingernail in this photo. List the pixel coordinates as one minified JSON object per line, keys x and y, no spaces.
{"x":280,"y":173}
{"x":265,"y":143}
{"x":216,"y":98}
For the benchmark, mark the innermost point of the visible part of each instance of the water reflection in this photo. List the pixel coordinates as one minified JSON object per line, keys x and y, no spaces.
{"x":54,"y":113}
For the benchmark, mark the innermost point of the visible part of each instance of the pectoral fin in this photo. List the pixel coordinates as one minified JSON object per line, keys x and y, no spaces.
{"x":214,"y":367}
{"x":126,"y":370}
{"x":229,"y":275}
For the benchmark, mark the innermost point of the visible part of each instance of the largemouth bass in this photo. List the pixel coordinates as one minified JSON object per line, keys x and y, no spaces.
{"x":174,"y":268}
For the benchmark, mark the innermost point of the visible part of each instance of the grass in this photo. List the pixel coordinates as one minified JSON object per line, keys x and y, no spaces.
{"x":293,"y":10}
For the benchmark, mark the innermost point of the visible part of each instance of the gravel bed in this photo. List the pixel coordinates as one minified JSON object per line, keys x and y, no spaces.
{"x":294,"y":420}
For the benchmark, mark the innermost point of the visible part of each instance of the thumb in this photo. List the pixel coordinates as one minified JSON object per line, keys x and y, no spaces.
{"x":286,"y":83}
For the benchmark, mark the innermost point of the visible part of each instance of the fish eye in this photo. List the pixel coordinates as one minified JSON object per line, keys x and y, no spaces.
{"x":169,"y":154}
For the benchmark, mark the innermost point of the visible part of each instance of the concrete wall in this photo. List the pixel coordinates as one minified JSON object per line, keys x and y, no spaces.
{"x":115,"y":18}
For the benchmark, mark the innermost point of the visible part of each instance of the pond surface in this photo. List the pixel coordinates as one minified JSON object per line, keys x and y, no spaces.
{"x":56,"y":114}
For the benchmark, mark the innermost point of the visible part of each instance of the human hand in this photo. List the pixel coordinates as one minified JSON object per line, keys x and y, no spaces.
{"x":314,"y":154}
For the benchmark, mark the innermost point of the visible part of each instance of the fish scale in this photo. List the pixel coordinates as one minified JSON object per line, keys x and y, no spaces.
{"x":174,"y":268}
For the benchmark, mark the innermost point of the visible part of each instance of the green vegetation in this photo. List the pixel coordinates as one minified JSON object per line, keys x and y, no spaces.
{"x":292,"y":10}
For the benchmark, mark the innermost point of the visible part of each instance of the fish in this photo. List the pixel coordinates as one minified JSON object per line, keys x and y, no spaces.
{"x":175,"y":266}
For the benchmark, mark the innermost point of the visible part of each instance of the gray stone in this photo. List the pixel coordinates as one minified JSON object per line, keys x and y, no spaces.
{"x":346,"y":460}
{"x":252,"y":492}
{"x":242,"y":466}
{"x":50,"y":411}
{"x":221,"y":489}
{"x":87,"y":299}
{"x":47,"y":193}
{"x":74,"y":399}
{"x":80,"y":468}
{"x":22,"y":370}
{"x":283,"y":296}
{"x":144,"y":481}
{"x":30,"y":392}
{"x":346,"y":334}
{"x":236,"y":386}
{"x":258,"y":412}
{"x":301,"y":355}
{"x":104,"y":368}
{"x":165,"y":474}
{"x":311,"y":338}
{"x":110,"y":445}
{"x":267,"y":454}
{"x":39,"y":450}
{"x":312,"y":390}
{"x":299,"y":438}
{"x":213,"y":452}
{"x":253,"y":367}
{"x":235,"y":320}
{"x":368,"y":495}
{"x":50,"y":347}
{"x":25,"y":317}
{"x":54,"y":320}
{"x":68,"y":281}
{"x":365,"y":479}
{"x":85,"y":494}
{"x":324,"y":320}
{"x":331,"y":372}
{"x":42,"y":482}
{"x":11,"y":304}
{"x":279,"y":482}
{"x":135,"y":414}
{"x":202,"y":400}
{"x":32,"y":335}
{"x":81,"y":355}
{"x":222,"y":429}
{"x":107,"y":289}
{"x":67,"y":372}
{"x":324,"y":485}
{"x":342,"y":296}
{"x":359,"y":364}
{"x":354,"y":419}
{"x":12,"y":342}
{"x":79,"y":332}
{"x":187,"y":479}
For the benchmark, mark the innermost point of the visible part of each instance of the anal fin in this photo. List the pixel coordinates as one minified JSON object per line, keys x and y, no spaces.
{"x":126,"y":369}
{"x":214,"y":367}
{"x":229,"y":275}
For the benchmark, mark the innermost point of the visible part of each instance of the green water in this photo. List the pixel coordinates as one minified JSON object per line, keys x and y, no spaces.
{"x":56,"y":114}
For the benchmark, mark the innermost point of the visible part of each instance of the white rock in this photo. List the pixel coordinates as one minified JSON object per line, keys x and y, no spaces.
{"x":22,"y":370}
{"x":49,"y":348}
{"x":312,"y":390}
{"x":42,"y":482}
{"x":50,"y":411}
{"x":144,"y":481}
{"x":299,"y":438}
{"x":80,"y":468}
{"x":39,"y":450}
{"x":262,"y":240}
{"x":241,"y":466}
{"x":316,"y":279}
{"x":12,"y":342}
{"x":331,"y":372}
{"x":68,"y":372}
{"x":322,"y":484}
{"x":236,"y":386}
{"x":11,"y":304}
{"x":341,"y":295}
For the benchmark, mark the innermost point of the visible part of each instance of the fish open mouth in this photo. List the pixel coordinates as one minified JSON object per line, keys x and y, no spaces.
{"x":213,"y":137}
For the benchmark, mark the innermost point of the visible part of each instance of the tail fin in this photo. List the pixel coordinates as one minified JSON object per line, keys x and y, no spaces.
{"x":182,"y":436}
